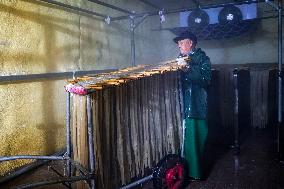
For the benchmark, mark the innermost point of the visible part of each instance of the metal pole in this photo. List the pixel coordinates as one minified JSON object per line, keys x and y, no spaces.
{"x":150,"y":4}
{"x":132,"y":29}
{"x":68,"y":136}
{"x":56,"y":75}
{"x":236,"y":113}
{"x":32,"y":157}
{"x":91,"y":140}
{"x":133,"y":26}
{"x":138,"y":182}
{"x":280,"y":126}
{"x":27,"y":168}
{"x":111,"y":6}
{"x":74,"y":8}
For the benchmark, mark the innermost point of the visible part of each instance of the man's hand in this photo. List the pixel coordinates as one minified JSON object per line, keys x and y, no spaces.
{"x":181,"y":61}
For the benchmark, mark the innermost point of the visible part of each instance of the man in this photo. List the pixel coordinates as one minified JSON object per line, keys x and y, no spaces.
{"x":195,"y":81}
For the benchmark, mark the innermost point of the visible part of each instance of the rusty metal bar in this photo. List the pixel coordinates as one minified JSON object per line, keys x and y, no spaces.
{"x":74,"y":8}
{"x":57,"y":75}
{"x":111,"y":6}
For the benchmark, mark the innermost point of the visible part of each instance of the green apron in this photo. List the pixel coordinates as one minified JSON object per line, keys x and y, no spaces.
{"x":196,"y":131}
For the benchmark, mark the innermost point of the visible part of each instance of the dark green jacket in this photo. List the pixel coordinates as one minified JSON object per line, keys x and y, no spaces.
{"x":195,"y":82}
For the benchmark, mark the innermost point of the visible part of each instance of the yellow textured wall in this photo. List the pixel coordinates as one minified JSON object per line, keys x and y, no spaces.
{"x":36,"y":37}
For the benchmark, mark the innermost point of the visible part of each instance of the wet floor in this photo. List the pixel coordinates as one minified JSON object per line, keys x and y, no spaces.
{"x":256,"y":167}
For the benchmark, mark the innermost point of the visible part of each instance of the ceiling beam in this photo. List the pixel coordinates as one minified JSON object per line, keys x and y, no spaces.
{"x":52,"y":2}
{"x":150,"y":4}
{"x":197,"y":3}
{"x":111,"y":6}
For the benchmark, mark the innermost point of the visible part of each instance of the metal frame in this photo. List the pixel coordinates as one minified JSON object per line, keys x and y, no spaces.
{"x":67,"y":156}
{"x":27,"y":168}
{"x":68,"y":178}
{"x":111,"y":6}
{"x":150,"y":4}
{"x":52,"y":2}
{"x":60,"y":155}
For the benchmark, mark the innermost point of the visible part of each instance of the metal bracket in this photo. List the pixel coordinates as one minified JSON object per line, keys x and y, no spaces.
{"x":107,"y":20}
{"x":272,"y":4}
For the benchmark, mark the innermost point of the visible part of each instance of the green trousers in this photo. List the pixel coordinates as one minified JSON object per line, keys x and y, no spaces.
{"x":196,"y":132}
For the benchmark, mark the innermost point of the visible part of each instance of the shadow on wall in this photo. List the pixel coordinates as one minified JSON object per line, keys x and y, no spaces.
{"x":48,"y":61}
{"x":51,"y":25}
{"x":84,"y":34}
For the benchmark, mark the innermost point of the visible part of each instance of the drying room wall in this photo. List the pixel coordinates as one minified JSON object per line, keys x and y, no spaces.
{"x":35,"y":38}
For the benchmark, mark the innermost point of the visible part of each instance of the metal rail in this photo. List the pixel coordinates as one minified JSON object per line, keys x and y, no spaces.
{"x":68,"y":137}
{"x":27,"y":168}
{"x":138,"y":182}
{"x":91,"y":139}
{"x":111,"y":6}
{"x":58,"y":75}
{"x":32,"y":157}
{"x":74,"y":8}
{"x":69,"y":177}
{"x":150,"y":4}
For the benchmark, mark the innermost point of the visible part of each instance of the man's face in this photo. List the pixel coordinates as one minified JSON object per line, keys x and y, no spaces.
{"x":185,"y":46}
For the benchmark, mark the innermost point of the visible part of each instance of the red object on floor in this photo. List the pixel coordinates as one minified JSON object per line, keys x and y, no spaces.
{"x":174,"y":177}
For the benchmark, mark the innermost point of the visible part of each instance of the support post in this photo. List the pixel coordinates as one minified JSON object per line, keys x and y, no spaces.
{"x":91,"y":141}
{"x":132,"y":30}
{"x":68,"y":138}
{"x":280,"y":121}
{"x":134,"y":25}
{"x":236,"y":113}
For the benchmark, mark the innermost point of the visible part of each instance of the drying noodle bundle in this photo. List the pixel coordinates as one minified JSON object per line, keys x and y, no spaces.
{"x":137,"y":119}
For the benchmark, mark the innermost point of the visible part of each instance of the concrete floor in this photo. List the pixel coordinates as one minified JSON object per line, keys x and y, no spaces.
{"x":255,"y":168}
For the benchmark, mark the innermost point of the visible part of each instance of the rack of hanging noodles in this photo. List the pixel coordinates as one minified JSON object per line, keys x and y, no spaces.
{"x":136,"y":117}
